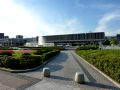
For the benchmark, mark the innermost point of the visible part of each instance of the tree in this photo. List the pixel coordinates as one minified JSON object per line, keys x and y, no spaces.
{"x":106,"y":42}
{"x":113,"y":42}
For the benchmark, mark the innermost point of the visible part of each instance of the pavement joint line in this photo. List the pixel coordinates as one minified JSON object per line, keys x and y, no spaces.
{"x":106,"y":76}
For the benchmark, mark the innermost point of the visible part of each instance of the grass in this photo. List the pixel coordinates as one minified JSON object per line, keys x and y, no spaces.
{"x":18,"y":53}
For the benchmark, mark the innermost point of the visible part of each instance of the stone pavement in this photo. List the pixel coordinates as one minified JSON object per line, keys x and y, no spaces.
{"x":63,"y":68}
{"x":50,"y":85}
{"x":4,"y":87}
{"x":9,"y":81}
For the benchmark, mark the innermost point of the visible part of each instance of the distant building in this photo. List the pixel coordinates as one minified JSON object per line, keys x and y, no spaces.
{"x":75,"y":39}
{"x":110,"y":37}
{"x":5,"y":41}
{"x":19,"y":36}
{"x":6,"y":37}
{"x":118,"y":37}
{"x":32,"y":42}
{"x":1,"y":35}
{"x":33,"y":39}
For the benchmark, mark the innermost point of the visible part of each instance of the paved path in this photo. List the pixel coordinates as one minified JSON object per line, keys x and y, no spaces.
{"x":63,"y":68}
{"x":10,"y":81}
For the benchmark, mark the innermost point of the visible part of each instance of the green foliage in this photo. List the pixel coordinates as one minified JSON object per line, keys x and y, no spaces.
{"x":106,"y":60}
{"x":41,"y":51}
{"x":5,"y":48}
{"x":3,"y":60}
{"x":113,"y":42}
{"x":37,"y":59}
{"x":6,"y":53}
{"x":87,"y":47}
{"x":50,"y":54}
{"x":38,"y":48}
{"x":26,"y":60}
{"x":26,"y":55}
{"x":106,"y":42}
{"x":17,"y":55}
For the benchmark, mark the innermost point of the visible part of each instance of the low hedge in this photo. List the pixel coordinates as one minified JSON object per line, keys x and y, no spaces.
{"x":107,"y":61}
{"x":6,"y":53}
{"x":26,"y":55}
{"x":87,"y":47}
{"x":26,"y":61}
{"x":40,"y":52}
{"x":43,"y":48}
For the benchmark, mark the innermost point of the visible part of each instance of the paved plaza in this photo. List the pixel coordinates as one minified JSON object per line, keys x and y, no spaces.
{"x":63,"y":68}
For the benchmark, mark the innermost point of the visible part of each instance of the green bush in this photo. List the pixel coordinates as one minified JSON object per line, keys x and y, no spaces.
{"x":25,"y":64}
{"x":3,"y":60}
{"x":9,"y":62}
{"x":41,"y":51}
{"x":26,"y":55}
{"x":6,"y":53}
{"x":107,"y":61}
{"x":26,"y":60}
{"x":37,"y":59}
{"x":48,"y":55}
{"x":87,"y":47}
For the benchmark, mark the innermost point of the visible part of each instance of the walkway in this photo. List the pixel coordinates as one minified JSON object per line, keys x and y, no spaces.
{"x":10,"y":81}
{"x":63,"y":68}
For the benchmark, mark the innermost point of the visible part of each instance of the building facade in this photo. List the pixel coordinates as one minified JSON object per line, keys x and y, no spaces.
{"x":5,"y":41}
{"x":75,"y":39}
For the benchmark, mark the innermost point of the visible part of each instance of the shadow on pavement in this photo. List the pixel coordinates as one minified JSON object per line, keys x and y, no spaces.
{"x":89,"y":76}
{"x":99,"y":85}
{"x":56,"y":63}
{"x":61,"y":58}
{"x":54,"y":68}
{"x":61,"y":78}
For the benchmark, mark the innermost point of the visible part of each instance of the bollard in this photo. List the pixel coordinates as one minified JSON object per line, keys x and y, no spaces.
{"x":79,"y":78}
{"x":46,"y":72}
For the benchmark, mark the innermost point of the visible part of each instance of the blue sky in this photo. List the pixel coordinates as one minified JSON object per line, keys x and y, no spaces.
{"x":47,"y":17}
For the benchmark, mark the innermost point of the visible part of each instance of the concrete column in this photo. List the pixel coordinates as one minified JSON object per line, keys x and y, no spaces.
{"x":79,"y":78}
{"x":46,"y":72}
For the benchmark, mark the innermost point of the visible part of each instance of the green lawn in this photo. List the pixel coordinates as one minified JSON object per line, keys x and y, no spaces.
{"x":17,"y":54}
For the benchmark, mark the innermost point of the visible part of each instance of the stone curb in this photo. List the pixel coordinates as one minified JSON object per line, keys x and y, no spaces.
{"x":28,"y":70}
{"x":102,"y":73}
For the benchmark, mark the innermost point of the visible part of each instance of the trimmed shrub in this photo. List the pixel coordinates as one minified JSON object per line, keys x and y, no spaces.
{"x":37,"y":59}
{"x":26,"y":61}
{"x":2,"y":60}
{"x":87,"y":47}
{"x":48,"y":55}
{"x":5,"y":61}
{"x":107,"y":61}
{"x":26,"y":55}
{"x":42,"y":51}
{"x":6,"y":53}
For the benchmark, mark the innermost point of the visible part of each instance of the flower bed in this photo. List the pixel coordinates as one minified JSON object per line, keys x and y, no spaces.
{"x":23,"y":51}
{"x":25,"y":59}
{"x":10,"y":51}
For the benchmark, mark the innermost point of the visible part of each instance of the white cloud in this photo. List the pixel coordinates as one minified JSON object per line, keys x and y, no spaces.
{"x":16,"y":19}
{"x":67,"y":26}
{"x":104,"y":22}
